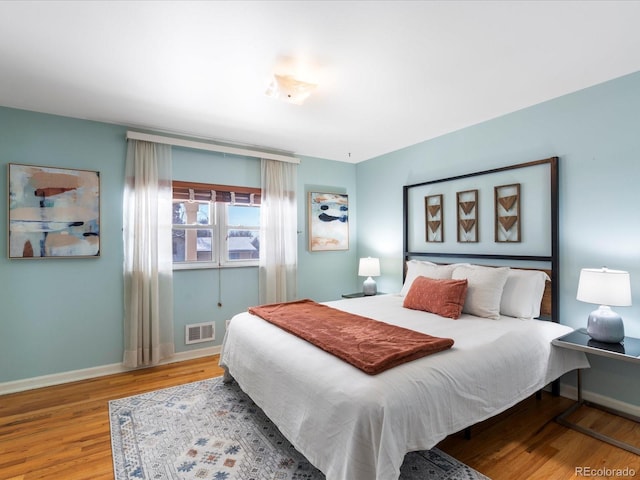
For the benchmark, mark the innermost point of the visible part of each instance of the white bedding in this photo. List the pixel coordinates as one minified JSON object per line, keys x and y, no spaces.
{"x":353,"y":426}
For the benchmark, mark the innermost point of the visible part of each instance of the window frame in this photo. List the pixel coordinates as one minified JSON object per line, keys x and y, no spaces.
{"x":224,"y":195}
{"x":223,"y":239}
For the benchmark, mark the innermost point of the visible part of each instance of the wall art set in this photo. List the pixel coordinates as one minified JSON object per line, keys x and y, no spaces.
{"x":506,"y":214}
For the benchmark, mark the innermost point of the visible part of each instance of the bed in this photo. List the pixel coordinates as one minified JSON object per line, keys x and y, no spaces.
{"x":355,"y":426}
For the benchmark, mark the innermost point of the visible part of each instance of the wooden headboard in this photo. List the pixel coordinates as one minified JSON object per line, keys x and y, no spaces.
{"x":546,"y":306}
{"x":537,"y":244}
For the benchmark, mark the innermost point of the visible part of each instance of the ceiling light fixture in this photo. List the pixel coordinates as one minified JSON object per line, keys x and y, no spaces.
{"x":289,"y":89}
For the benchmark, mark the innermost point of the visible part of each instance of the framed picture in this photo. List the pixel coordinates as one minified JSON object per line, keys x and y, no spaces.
{"x":467,"y":216}
{"x":53,"y":212}
{"x":328,"y":221}
{"x":507,"y":207}
{"x":434,"y":213}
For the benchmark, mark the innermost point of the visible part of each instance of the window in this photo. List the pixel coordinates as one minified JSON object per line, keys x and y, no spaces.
{"x":193,"y":231}
{"x":242,"y":232}
{"x":215,"y":226}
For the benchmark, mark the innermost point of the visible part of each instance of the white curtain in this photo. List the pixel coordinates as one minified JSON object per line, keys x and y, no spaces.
{"x":278,"y":232}
{"x":148,"y":273}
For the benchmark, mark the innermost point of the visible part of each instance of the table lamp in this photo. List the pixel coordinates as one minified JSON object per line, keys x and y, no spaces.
{"x":369,"y":267}
{"x":605,"y":287}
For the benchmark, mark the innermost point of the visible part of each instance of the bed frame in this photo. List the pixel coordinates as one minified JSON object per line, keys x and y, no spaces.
{"x":476,"y":252}
{"x":485,"y":251}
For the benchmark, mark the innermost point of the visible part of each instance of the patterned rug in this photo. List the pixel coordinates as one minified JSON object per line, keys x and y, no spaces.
{"x":213,"y":431}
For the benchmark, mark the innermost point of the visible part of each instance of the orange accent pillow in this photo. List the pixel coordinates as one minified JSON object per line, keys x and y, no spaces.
{"x":443,"y":297}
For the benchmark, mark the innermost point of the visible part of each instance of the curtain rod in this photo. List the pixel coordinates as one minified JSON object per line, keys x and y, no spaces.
{"x":179,"y":142}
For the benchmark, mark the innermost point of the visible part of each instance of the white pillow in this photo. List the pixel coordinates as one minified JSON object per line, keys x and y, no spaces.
{"x":522,"y":293}
{"x":418,"y":268}
{"x":484,"y":290}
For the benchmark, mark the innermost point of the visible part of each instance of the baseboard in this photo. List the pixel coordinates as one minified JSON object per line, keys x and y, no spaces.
{"x":86,"y":373}
{"x":571,"y":392}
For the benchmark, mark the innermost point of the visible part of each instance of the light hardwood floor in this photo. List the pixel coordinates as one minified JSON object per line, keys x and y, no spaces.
{"x":62,"y":432}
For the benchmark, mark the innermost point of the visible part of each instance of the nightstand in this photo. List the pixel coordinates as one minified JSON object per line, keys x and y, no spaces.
{"x":359,"y":294}
{"x":628,"y":350}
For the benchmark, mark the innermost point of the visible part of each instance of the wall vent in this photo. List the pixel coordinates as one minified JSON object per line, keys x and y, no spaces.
{"x":199,"y":332}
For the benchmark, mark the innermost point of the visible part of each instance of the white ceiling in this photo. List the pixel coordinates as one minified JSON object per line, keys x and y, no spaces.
{"x":390,"y":73}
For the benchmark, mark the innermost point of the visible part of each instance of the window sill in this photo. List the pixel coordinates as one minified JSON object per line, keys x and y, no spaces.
{"x":207,"y":265}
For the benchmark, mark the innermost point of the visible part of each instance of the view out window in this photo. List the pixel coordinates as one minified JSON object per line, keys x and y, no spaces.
{"x":215,"y":225}
{"x":242,"y":232}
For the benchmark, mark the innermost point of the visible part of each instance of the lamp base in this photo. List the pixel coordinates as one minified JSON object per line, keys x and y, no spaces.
{"x":605,"y":325}
{"x":369,"y":287}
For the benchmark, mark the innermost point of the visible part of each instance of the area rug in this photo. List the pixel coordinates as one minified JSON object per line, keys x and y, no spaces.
{"x":210,"y":430}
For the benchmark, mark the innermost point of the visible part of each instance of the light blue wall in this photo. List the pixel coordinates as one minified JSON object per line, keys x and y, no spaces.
{"x":212,"y":294}
{"x":325,"y":276}
{"x":595,"y":132}
{"x":60,"y":315}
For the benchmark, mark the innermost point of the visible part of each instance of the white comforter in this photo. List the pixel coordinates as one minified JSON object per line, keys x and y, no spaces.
{"x":353,"y":426}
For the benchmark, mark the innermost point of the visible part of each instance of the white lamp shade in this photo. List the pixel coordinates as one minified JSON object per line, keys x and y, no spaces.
{"x":369,"y":267}
{"x":602,"y":286}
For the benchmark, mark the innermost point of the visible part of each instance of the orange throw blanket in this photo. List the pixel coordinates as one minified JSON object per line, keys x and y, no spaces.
{"x":370,"y":345}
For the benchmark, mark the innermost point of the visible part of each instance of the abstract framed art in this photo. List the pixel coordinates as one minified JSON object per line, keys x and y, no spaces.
{"x":328,"y":221}
{"x":53,"y":212}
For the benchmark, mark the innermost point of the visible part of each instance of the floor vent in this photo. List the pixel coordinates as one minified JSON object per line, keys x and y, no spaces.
{"x":199,"y":332}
